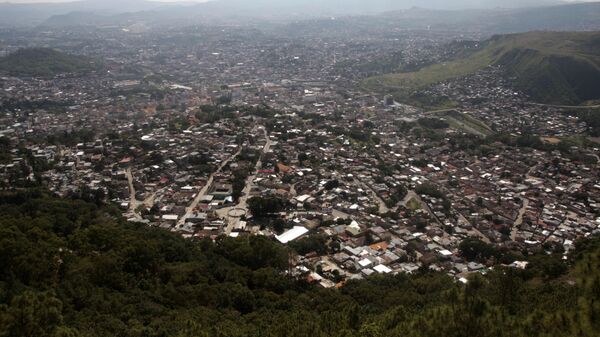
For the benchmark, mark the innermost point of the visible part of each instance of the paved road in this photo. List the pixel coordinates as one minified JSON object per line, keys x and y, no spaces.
{"x":339,"y":214}
{"x":133,"y":203}
{"x":189,"y":211}
{"x":567,"y":106}
{"x":381,"y":204}
{"x":432,"y":112}
{"x":519,"y":221}
{"x":294,"y":193}
{"x":132,"y":199}
{"x":474,"y":229}
{"x":149,"y":202}
{"x":412,"y":194}
{"x":243,"y":201}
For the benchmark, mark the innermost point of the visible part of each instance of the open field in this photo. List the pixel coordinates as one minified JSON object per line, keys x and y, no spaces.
{"x":466,"y":123}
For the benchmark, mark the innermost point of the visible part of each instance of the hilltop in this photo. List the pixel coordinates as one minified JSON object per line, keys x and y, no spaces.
{"x":551,"y":67}
{"x":45,"y":62}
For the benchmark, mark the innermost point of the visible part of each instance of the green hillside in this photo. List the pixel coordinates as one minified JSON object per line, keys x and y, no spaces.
{"x":552,"y":67}
{"x":75,"y":269}
{"x":44,"y":62}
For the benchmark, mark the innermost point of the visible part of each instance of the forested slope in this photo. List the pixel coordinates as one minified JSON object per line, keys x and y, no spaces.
{"x":45,"y":62}
{"x":71,"y":268}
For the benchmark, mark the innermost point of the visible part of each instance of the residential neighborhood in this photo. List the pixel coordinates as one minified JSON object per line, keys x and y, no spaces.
{"x":270,"y":137}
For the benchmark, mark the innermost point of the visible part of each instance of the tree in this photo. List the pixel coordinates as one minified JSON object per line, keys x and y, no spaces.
{"x":335,"y":246}
{"x":261,"y":207}
{"x":279,"y":225}
{"x":476,"y":250}
{"x":550,"y":267}
{"x":309,"y":244}
{"x":32,"y":314}
{"x":117,"y":278}
{"x":331,"y":184}
{"x":430,"y":190}
{"x":302,"y":157}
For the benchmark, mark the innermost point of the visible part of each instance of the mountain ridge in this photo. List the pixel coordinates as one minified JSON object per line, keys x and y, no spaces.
{"x":551,"y":67}
{"x":34,"y":14}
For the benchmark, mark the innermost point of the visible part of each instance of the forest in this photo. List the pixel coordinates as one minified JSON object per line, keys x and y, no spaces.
{"x":72,"y":268}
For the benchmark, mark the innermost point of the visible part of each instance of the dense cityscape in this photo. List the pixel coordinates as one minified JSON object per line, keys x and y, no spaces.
{"x":206,"y":138}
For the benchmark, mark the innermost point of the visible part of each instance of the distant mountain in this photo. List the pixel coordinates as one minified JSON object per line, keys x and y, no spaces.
{"x":12,"y":14}
{"x":488,"y":22}
{"x":302,"y":9}
{"x":552,"y":67}
{"x":74,"y":19}
{"x":357,"y":7}
{"x":43,"y":62}
{"x":350,"y":14}
{"x":578,"y":16}
{"x":34,"y":14}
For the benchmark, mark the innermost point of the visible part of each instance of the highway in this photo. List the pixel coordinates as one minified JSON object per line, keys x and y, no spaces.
{"x":567,"y":106}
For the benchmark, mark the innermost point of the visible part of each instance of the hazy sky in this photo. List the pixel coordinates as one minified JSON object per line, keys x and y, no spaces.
{"x":38,"y":1}
{"x":47,"y":1}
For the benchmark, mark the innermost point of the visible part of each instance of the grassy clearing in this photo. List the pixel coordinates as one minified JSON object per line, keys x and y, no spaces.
{"x":413,"y":204}
{"x":551,"y":140}
{"x":466,"y":123}
{"x":405,"y":83}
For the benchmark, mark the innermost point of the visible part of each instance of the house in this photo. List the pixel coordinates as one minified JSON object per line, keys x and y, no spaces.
{"x":170,"y":218}
{"x":354,"y":229}
{"x":292,"y":234}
